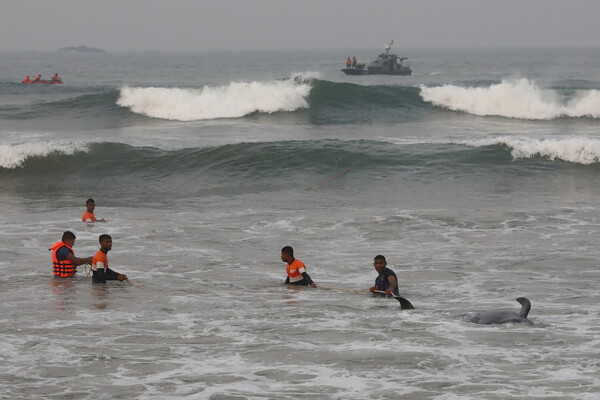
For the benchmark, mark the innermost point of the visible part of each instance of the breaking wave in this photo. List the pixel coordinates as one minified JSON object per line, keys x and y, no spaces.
{"x":233,"y":100}
{"x":515,"y":99}
{"x":13,"y":155}
{"x":574,"y":150}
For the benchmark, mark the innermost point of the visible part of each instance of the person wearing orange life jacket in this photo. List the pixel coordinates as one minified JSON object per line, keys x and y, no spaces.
{"x":296,"y":270}
{"x":101,"y":272}
{"x":88,"y":214}
{"x":64,"y":262}
{"x":37,"y":78}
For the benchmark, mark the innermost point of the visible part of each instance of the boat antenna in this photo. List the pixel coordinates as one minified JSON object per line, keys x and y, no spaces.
{"x":388,"y":46}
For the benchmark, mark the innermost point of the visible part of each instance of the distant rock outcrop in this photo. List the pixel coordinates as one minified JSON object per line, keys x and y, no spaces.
{"x":81,"y":49}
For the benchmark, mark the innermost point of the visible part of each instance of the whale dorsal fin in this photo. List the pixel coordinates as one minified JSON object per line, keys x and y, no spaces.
{"x":525,"y":306}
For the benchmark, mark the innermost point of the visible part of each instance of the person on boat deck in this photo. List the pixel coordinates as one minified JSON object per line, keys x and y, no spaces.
{"x":296,"y":270}
{"x":26,"y":78}
{"x":88,"y":214}
{"x":353,"y":62}
{"x":64,"y":262}
{"x":348,"y":63}
{"x":386,"y":280}
{"x":37,"y":78}
{"x":55,"y":78}
{"x":101,"y":272}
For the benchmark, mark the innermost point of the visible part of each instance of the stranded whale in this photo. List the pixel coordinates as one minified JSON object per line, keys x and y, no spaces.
{"x":503,"y":316}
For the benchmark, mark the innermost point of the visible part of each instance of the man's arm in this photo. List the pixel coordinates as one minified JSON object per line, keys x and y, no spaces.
{"x":111,"y":275}
{"x":78,"y":261}
{"x":393,"y":284}
{"x":308,"y":279}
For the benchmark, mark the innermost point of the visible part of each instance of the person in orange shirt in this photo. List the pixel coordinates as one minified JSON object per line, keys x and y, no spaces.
{"x":88,"y":215}
{"x":101,"y":272}
{"x":296,"y":270}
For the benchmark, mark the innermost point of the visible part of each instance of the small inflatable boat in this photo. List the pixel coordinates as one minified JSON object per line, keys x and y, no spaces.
{"x":40,"y":81}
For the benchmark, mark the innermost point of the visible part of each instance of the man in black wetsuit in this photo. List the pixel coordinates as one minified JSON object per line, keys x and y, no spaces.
{"x":295,"y":269}
{"x":101,"y":272}
{"x":386,"y":281}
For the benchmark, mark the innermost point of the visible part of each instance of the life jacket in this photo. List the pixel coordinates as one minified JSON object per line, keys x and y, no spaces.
{"x":62,"y":269}
{"x":88,"y":215}
{"x":295,"y":270}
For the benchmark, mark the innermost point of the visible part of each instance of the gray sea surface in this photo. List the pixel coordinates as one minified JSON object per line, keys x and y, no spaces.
{"x":472,"y":209}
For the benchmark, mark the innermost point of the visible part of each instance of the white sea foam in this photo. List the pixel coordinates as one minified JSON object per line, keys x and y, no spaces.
{"x":13,"y":155}
{"x":233,"y":100}
{"x":515,"y":99}
{"x":576,"y":150}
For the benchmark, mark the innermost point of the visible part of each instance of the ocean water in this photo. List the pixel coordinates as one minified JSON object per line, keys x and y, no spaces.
{"x":477,"y":177}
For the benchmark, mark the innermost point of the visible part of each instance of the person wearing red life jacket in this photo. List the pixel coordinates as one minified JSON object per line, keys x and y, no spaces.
{"x":37,"y":78}
{"x":296,"y":270}
{"x":88,"y":214}
{"x":64,"y":262}
{"x":101,"y":272}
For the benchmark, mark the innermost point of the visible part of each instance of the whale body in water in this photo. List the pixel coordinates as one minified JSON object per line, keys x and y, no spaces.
{"x":504,"y":316}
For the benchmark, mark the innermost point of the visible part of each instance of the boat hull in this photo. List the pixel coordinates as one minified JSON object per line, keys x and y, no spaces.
{"x":407,"y":71}
{"x":354,"y":71}
{"x":42,"y":82}
{"x":351,"y":71}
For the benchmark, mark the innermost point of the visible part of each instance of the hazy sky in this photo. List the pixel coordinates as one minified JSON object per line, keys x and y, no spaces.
{"x":264,"y":24}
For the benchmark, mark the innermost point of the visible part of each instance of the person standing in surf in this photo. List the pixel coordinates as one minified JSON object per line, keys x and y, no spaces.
{"x":88,"y":214}
{"x":296,"y":270}
{"x":386,"y":280}
{"x":100,"y":271}
{"x":64,"y":262}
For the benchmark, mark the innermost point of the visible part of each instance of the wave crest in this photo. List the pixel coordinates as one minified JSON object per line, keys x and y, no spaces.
{"x":515,"y":99}
{"x":13,"y":155}
{"x":575,"y":150}
{"x":233,"y":100}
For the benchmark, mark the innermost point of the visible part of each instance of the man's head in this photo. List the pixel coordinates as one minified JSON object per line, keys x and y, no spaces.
{"x":90,"y":204}
{"x":287,"y":254}
{"x":379,"y":263}
{"x":68,"y":237}
{"x":105,"y":242}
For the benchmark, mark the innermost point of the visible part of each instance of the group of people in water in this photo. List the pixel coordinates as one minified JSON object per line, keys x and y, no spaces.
{"x":65,"y":263}
{"x":386,"y":282}
{"x":38,"y":78}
